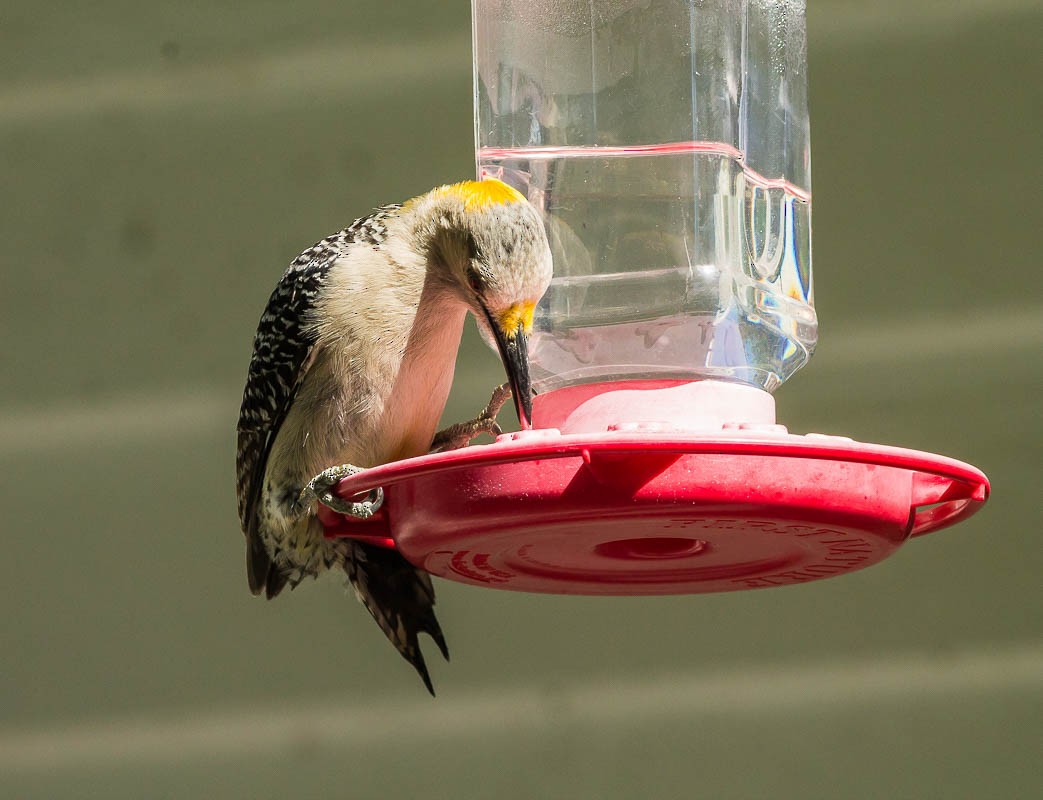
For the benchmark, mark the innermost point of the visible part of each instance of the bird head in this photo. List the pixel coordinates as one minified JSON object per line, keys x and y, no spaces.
{"x":495,"y":257}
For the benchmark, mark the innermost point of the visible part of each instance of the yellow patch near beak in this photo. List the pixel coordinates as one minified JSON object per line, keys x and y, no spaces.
{"x":517,"y":317}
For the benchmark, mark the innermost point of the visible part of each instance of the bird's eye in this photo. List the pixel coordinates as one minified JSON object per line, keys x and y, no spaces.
{"x":474,"y":277}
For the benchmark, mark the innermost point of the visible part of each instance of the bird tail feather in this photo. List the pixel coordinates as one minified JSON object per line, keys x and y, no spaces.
{"x":400,"y":598}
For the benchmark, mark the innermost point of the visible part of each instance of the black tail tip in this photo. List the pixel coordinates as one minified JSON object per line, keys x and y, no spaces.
{"x":417,"y":660}
{"x":440,"y":641}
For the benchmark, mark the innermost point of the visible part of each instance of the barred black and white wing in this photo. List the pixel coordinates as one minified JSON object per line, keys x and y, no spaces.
{"x":282,"y":352}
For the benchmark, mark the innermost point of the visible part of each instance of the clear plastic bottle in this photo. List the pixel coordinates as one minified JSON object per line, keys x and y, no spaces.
{"x":666,"y":144}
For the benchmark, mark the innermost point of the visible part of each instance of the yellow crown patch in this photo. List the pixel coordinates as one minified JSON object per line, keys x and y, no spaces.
{"x":482,"y":194}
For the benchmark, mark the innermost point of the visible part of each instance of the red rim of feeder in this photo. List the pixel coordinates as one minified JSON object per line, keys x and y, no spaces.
{"x":642,"y":510}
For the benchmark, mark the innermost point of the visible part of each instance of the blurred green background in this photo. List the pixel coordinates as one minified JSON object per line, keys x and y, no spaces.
{"x":161,"y":163}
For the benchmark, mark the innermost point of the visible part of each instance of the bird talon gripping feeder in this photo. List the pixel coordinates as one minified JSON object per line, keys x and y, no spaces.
{"x":665,"y":143}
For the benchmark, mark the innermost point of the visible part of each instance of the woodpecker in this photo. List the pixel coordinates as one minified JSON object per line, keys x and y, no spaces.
{"x":352,"y":364}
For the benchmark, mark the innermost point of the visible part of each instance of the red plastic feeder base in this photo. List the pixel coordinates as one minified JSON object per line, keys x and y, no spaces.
{"x":646,"y":509}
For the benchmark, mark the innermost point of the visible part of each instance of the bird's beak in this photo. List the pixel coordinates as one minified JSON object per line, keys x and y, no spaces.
{"x":514,"y":352}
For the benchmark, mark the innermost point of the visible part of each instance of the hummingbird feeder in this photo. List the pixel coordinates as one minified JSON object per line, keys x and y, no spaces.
{"x":666,"y":146}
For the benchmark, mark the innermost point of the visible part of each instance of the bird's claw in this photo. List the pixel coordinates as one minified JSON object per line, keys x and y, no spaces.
{"x":320,"y":488}
{"x":460,"y":435}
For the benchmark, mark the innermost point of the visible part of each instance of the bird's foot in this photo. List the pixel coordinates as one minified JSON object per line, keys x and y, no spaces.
{"x":460,"y":435}
{"x":321,"y":488}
